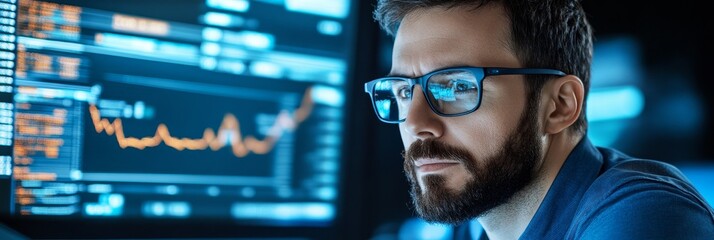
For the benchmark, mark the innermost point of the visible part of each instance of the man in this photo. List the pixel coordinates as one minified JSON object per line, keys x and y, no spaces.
{"x":489,"y":97}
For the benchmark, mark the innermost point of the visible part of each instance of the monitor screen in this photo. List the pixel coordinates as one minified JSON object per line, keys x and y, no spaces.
{"x":210,"y":109}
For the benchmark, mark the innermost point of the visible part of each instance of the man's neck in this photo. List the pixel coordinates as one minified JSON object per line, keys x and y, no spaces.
{"x":509,"y":220}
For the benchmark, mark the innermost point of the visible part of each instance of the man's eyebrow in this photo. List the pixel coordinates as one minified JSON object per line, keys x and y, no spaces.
{"x":398,"y":75}
{"x":443,"y":66}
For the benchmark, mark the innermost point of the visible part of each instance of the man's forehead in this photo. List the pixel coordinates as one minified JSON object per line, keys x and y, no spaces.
{"x":436,"y":38}
{"x":440,"y":21}
{"x":425,"y":66}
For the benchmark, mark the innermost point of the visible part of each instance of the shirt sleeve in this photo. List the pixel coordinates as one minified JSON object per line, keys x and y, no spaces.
{"x":648,"y":213}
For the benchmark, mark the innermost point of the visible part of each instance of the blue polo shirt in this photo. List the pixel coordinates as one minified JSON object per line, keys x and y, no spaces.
{"x":601,"y":193}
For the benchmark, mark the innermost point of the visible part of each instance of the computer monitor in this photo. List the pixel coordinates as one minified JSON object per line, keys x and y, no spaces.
{"x":140,"y":111}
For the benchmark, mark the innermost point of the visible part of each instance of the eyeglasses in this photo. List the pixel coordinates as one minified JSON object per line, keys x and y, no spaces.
{"x":450,"y":92}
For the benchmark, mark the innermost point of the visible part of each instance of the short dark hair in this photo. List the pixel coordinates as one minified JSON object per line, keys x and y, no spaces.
{"x":544,"y":34}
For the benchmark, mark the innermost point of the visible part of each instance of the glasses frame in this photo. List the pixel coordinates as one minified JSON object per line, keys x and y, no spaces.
{"x":480,"y":72}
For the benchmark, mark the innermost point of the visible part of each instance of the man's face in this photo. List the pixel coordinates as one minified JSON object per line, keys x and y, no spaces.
{"x":461,"y":167}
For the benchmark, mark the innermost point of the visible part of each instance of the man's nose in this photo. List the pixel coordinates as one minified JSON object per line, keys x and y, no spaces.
{"x":421,"y":121}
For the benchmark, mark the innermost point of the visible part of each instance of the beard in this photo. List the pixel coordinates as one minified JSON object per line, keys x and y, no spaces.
{"x":494,"y":180}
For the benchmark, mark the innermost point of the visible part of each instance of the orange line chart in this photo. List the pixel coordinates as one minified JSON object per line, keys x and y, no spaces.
{"x":228,"y":134}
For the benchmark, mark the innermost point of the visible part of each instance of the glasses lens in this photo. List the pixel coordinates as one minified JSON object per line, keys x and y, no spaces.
{"x":392,"y":98}
{"x":453,"y":92}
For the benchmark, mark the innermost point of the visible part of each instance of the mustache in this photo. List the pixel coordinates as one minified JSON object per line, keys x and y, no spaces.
{"x":431,"y":148}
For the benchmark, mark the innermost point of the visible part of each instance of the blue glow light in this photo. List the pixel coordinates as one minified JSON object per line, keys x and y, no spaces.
{"x":616,"y":62}
{"x":280,"y":65}
{"x":139,"y":110}
{"x":327,"y":27}
{"x":328,"y":96}
{"x":179,"y":209}
{"x":257,"y":40}
{"x":75,"y":175}
{"x":326,"y":178}
{"x":328,"y":166}
{"x":475,"y":228}
{"x":59,"y":200}
{"x":329,"y":139}
{"x":113,"y":104}
{"x":212,"y":34}
{"x":169,"y":190}
{"x":418,"y":229}
{"x":94,"y":209}
{"x":158,"y":209}
{"x":606,"y":110}
{"x":218,"y":19}
{"x":128,"y":112}
{"x":317,"y":211}
{"x":166,"y":209}
{"x":209,"y":63}
{"x":230,"y":5}
{"x":107,"y":205}
{"x":99,"y":188}
{"x":266,"y":69}
{"x":605,"y":133}
{"x":232,"y":66}
{"x":144,"y":48}
{"x":63,"y":188}
{"x":326,"y":193}
{"x":330,"y":127}
{"x":329,"y":153}
{"x":283,"y":211}
{"x":327,"y":8}
{"x":177,"y":49}
{"x":614,"y":103}
{"x":213,"y":191}
{"x":53,"y":210}
{"x":6,"y":80}
{"x":27,"y":183}
{"x":210,"y":49}
{"x":126,"y":42}
{"x":81,"y":95}
{"x":335,"y":78}
{"x":115,"y":200}
{"x":234,"y":52}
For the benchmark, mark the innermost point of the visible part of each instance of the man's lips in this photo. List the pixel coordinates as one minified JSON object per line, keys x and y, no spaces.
{"x":431,"y":164}
{"x":426,"y":161}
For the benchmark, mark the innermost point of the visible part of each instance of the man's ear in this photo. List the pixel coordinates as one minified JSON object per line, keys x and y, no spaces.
{"x":564,"y":98}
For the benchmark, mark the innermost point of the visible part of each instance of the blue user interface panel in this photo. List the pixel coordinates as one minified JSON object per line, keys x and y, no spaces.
{"x":222,"y":109}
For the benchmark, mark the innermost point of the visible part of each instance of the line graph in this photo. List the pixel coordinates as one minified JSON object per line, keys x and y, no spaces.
{"x":228,"y":133}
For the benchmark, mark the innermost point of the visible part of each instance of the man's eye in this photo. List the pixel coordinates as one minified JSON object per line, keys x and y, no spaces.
{"x":463,"y":86}
{"x":404,"y":93}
